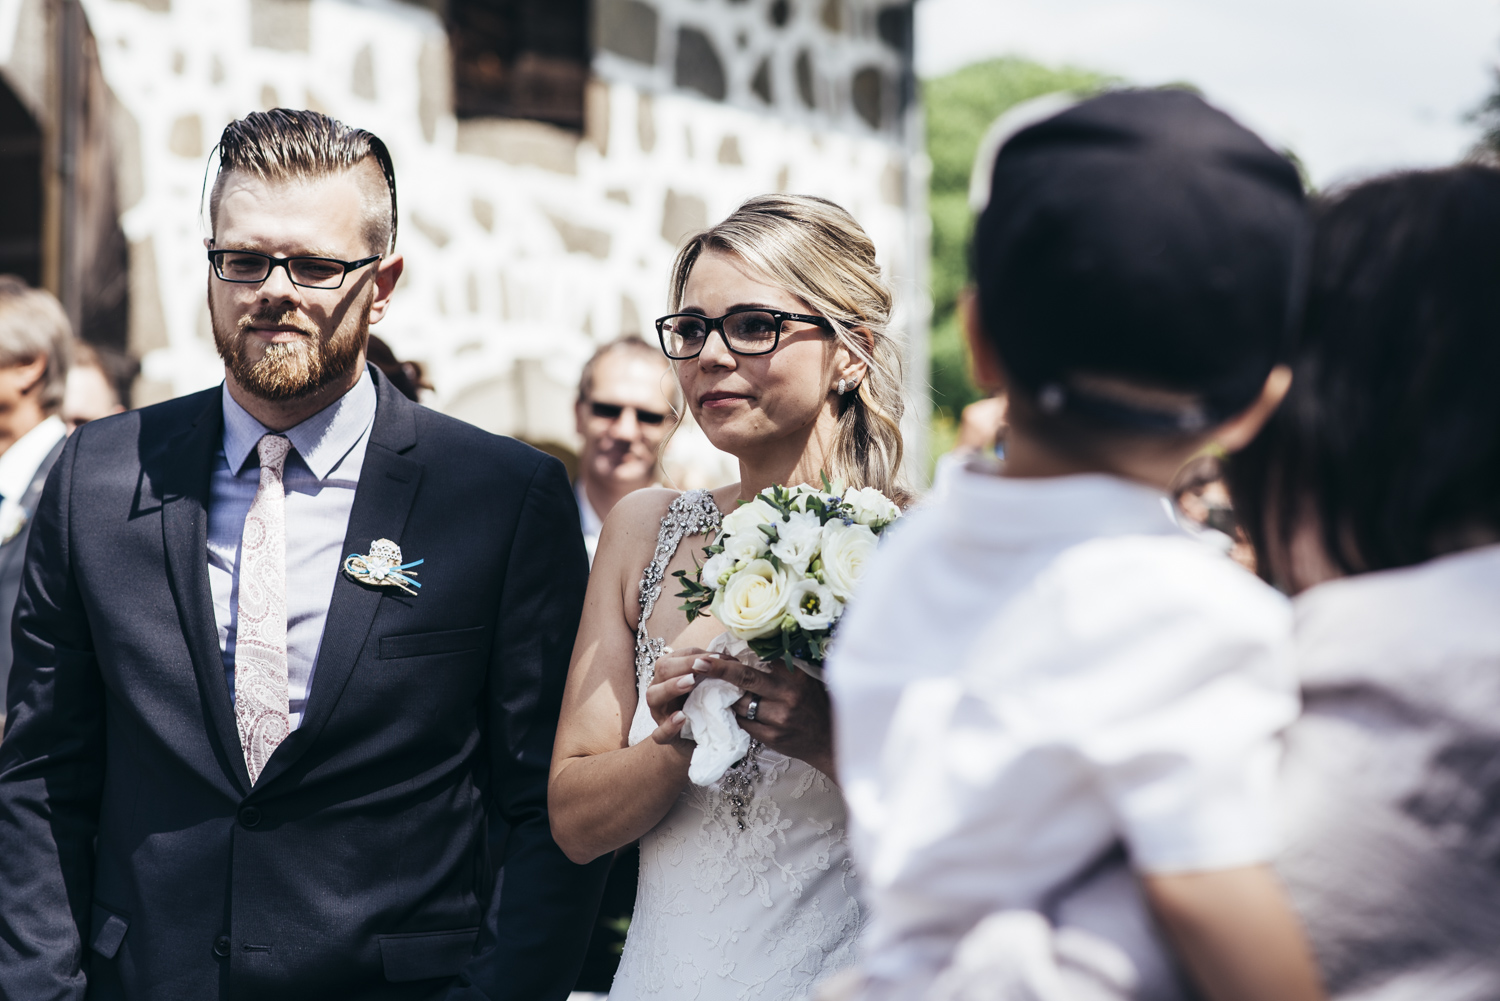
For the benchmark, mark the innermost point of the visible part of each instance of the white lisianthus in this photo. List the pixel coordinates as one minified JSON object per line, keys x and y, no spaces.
{"x":715,"y":567}
{"x":799,"y":540}
{"x":750,"y":605}
{"x":813,"y":605}
{"x":744,"y":519}
{"x":800,"y":493}
{"x":871,"y":507}
{"x":746,"y":545}
{"x":846,"y":549}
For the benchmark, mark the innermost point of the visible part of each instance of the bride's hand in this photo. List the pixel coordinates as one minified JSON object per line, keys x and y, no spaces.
{"x":671,"y":684}
{"x":792,"y":714}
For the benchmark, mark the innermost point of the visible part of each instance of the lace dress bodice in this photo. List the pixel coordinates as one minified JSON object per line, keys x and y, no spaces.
{"x":746,"y":887}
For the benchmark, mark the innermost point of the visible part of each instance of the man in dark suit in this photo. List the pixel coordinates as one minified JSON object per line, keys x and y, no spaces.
{"x":290,"y":652}
{"x":34,"y":339}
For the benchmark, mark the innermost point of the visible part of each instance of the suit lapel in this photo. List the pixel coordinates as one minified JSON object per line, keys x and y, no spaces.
{"x":187,"y":465}
{"x":388,"y":483}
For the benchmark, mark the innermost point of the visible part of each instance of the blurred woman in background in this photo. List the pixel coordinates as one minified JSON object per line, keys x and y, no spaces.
{"x":1375,"y":497}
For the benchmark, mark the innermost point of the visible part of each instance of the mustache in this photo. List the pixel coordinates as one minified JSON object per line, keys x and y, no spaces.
{"x":274,"y":318}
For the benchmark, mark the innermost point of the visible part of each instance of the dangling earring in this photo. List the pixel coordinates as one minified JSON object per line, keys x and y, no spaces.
{"x":842,"y":389}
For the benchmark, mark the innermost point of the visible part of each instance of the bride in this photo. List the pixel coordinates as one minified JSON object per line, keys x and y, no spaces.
{"x":779,"y":341}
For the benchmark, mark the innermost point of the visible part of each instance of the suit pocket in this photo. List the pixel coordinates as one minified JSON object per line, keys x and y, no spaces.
{"x":426,"y":955}
{"x":424,"y":644}
{"x":106,"y":931}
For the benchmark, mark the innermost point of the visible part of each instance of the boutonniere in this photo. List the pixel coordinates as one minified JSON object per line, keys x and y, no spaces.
{"x":382,"y":567}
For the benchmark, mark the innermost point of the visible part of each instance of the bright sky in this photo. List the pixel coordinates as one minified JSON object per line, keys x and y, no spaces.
{"x":1353,"y":86}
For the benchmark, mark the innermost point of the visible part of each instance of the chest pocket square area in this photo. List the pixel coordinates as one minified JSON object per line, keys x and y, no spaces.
{"x":430,"y":644}
{"x":382,"y":567}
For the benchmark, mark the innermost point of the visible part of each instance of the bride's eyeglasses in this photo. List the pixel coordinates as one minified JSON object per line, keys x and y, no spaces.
{"x":745,"y":331}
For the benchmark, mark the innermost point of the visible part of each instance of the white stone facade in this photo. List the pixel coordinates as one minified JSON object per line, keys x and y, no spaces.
{"x":526,"y":245}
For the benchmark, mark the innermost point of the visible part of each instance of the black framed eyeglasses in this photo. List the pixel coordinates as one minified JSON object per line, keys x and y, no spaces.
{"x":612,"y":412}
{"x":745,"y":331}
{"x":248,"y":267}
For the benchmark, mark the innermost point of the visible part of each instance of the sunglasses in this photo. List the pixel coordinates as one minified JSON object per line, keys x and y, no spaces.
{"x":612,"y":411}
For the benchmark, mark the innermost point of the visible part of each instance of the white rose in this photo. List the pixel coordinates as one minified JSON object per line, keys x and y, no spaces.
{"x":715,"y":567}
{"x":750,"y":605}
{"x":846,"y":548}
{"x":871,"y":507}
{"x":744,"y":519}
{"x":799,"y":540}
{"x":813,"y":605}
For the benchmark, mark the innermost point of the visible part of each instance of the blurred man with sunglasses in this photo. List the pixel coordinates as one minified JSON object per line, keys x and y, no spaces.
{"x":628,"y":401}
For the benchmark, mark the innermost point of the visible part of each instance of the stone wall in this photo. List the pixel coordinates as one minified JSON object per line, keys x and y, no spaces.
{"x":526,"y":244}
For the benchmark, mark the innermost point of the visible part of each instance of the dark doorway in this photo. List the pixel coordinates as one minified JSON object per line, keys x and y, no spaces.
{"x":520,"y":59}
{"x":20,"y":189}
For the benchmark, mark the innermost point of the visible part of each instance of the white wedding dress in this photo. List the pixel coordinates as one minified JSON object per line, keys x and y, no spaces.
{"x":746,"y":887}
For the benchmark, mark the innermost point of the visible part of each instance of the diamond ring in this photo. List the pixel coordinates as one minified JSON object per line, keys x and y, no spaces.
{"x":753,"y":708}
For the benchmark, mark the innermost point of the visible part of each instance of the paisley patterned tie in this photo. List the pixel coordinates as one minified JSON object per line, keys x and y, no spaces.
{"x":260,"y":686}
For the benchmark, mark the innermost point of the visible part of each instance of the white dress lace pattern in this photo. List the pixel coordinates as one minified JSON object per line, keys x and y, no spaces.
{"x":723,"y":913}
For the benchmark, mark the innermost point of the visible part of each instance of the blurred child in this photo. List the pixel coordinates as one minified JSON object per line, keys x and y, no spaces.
{"x":1043,"y":668}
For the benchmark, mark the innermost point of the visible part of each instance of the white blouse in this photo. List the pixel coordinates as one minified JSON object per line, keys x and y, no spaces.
{"x":1391,"y":785}
{"x":1035,"y":672}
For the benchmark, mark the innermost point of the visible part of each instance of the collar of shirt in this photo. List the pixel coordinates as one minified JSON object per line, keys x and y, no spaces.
{"x":322,"y":440}
{"x":20,"y":462}
{"x":589,"y":519}
{"x":1017,"y":513}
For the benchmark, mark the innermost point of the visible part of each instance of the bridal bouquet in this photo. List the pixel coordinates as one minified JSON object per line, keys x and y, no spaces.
{"x":783,"y":565}
{"x":777,"y":576}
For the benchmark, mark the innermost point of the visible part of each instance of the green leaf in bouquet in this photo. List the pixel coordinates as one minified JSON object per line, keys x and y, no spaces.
{"x":771,"y":532}
{"x":827,"y":487}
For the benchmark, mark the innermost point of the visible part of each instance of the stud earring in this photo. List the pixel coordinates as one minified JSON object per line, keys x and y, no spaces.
{"x":842,"y":387}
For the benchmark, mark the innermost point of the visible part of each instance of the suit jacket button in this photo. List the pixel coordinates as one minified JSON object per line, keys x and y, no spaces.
{"x":250,"y":816}
{"x":221,"y":946}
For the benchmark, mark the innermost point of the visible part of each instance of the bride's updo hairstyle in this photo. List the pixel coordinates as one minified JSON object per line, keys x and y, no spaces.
{"x":815,"y":250}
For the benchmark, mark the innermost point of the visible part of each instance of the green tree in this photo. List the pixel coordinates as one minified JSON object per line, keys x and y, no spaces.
{"x":960,"y":107}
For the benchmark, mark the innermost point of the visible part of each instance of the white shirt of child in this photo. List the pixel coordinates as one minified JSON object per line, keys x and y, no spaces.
{"x":1036,"y":671}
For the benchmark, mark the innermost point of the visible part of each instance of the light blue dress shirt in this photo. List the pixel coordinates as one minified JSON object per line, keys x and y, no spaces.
{"x":321,"y":475}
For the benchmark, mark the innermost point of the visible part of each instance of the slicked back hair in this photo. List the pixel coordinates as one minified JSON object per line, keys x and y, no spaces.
{"x":285,"y":145}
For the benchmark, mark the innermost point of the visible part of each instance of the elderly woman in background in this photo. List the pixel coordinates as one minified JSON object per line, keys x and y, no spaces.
{"x":1375,"y":498}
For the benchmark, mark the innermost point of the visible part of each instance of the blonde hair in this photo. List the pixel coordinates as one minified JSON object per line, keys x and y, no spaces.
{"x":815,"y":250}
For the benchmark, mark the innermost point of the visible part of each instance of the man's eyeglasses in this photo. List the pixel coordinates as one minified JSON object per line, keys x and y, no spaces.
{"x":612,"y":412}
{"x":745,"y":331}
{"x":246,"y":267}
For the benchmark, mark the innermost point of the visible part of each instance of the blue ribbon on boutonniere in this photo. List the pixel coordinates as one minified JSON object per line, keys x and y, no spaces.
{"x":382,"y":567}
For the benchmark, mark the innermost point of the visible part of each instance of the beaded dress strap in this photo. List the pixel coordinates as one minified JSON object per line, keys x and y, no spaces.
{"x":692,"y":513}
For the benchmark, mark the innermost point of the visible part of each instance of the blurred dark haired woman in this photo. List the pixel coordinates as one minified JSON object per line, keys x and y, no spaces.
{"x":1375,"y":497}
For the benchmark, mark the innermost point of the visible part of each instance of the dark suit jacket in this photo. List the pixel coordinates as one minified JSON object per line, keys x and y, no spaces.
{"x":13,"y":560}
{"x":397,"y":843}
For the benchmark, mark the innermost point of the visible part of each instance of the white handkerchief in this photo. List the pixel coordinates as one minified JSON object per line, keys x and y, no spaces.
{"x":711,"y":723}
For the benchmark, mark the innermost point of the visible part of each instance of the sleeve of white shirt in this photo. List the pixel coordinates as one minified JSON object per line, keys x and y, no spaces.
{"x":1178,"y":685}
